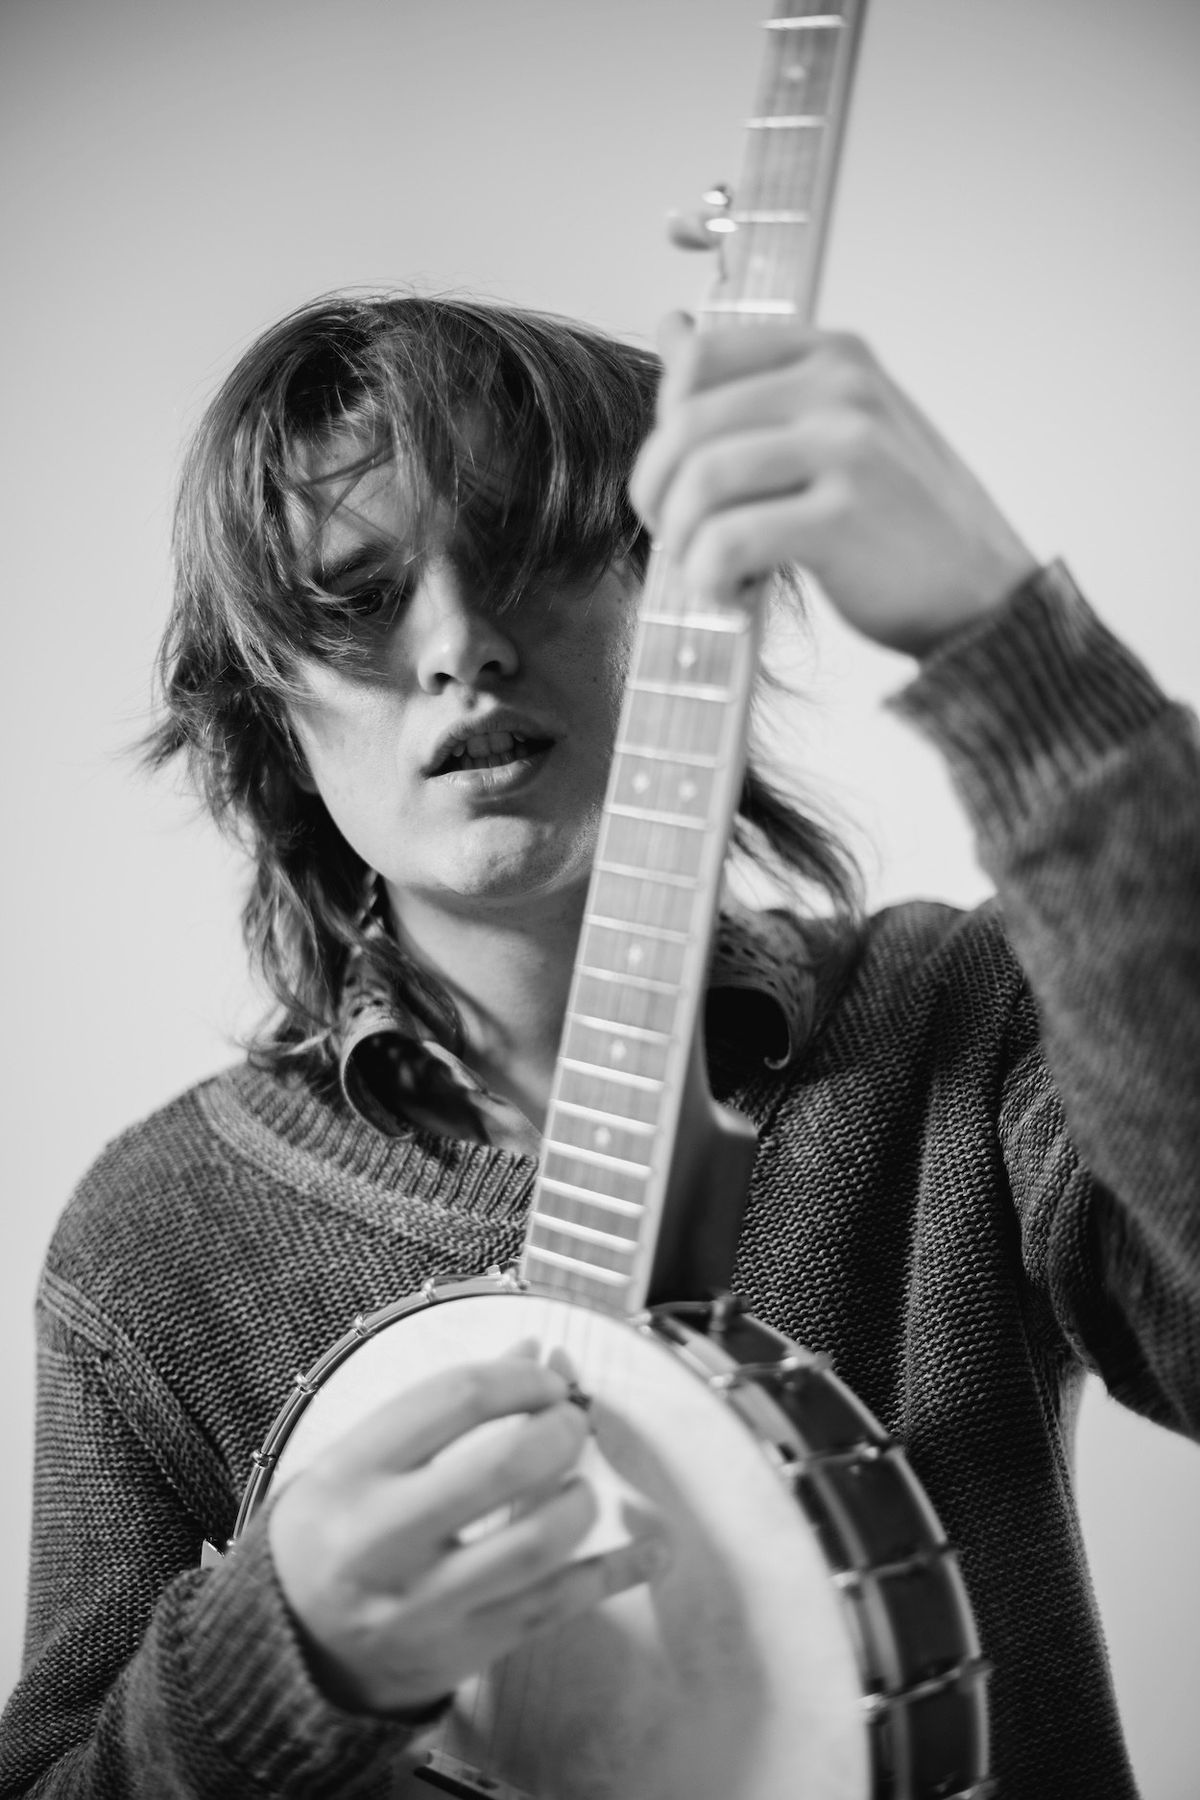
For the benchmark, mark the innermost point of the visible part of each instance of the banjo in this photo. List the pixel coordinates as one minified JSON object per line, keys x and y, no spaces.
{"x":810,"y":1637}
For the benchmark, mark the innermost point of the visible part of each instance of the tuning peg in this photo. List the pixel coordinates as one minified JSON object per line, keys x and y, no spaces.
{"x":704,"y":228}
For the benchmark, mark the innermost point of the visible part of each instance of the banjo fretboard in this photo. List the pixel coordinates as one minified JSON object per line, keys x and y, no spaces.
{"x":676,"y":776}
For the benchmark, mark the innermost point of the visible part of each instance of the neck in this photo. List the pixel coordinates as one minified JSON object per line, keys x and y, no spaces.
{"x":508,"y":971}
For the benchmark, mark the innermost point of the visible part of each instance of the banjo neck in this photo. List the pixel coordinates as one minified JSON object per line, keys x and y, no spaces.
{"x":631,"y":1128}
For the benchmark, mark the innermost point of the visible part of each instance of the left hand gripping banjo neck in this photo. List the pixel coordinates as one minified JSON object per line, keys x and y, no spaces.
{"x":638,"y":1191}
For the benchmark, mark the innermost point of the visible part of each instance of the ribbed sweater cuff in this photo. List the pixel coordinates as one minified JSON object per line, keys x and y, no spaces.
{"x":252,"y":1687}
{"x":1027,"y":703}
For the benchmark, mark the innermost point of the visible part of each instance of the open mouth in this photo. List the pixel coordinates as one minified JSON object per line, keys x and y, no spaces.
{"x":490,"y":750}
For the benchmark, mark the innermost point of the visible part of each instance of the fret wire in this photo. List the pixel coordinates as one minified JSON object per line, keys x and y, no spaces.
{"x":684,"y":821}
{"x":642,"y":1032}
{"x":639,"y":1101}
{"x":624,"y":1077}
{"x":632,"y":821}
{"x":604,"y":1128}
{"x":681,"y":690}
{"x":622,"y":897}
{"x":693,"y":758}
{"x":813,"y":22}
{"x":636,"y":928}
{"x":610,"y":1277}
{"x":685,"y":722}
{"x":588,"y":1234}
{"x":632,"y":843}
{"x":660,"y":761}
{"x":608,"y":1202}
{"x":575,"y":1109}
{"x":625,"y":1177}
{"x":809,"y":125}
{"x":779,"y":171}
{"x":591,"y":1039}
{"x":599,"y":1158}
{"x":640,"y":1006}
{"x":615,"y":997}
{"x":615,"y":947}
{"x":699,"y":621}
{"x":622,"y":978}
{"x":685,"y":660}
{"x":661,"y":875}
{"x":786,"y":122}
{"x":665,"y":965}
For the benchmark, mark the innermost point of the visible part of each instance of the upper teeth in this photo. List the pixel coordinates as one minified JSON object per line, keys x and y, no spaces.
{"x":490,"y":743}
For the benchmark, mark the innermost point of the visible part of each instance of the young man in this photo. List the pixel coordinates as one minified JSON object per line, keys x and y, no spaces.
{"x":408,"y":570}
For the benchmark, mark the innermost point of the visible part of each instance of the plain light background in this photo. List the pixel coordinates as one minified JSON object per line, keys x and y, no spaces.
{"x":1017,"y":233}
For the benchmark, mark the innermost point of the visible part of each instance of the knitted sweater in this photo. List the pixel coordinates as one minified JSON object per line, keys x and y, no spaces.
{"x":960,"y":1230}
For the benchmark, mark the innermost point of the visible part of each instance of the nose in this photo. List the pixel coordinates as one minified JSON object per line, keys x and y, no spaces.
{"x":457,"y":637}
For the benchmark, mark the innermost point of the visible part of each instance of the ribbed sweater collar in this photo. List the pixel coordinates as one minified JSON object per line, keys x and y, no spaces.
{"x":291,"y":1132}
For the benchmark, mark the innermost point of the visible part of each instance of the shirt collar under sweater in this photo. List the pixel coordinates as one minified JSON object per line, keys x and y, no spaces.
{"x":397,"y":1077}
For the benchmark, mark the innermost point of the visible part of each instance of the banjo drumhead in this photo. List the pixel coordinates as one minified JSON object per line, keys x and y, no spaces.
{"x":731,"y":1675}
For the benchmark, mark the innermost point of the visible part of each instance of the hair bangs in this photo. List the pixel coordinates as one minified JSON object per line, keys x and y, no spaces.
{"x":526,"y":425}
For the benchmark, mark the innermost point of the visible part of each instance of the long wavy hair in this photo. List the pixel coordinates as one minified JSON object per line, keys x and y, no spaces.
{"x":397,"y":375}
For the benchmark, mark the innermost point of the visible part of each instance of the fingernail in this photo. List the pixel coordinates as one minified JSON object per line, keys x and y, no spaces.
{"x":674,"y":329}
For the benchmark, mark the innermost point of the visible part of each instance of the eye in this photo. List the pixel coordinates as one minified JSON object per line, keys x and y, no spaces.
{"x":375,"y":601}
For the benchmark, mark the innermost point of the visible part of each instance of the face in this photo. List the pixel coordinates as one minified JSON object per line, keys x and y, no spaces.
{"x":466,"y":761}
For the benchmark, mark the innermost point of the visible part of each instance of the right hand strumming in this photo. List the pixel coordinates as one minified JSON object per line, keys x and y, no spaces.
{"x":395,"y":1608}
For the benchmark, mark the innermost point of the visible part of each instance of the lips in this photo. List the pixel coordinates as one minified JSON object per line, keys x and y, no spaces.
{"x":490,"y":750}
{"x":494,"y":748}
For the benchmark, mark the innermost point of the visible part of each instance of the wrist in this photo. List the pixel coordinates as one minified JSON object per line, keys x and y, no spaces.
{"x":971,"y":608}
{"x":1029,"y":705}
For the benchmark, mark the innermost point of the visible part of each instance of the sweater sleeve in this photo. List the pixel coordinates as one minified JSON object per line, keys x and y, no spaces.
{"x":1082,"y":783}
{"x":143,"y":1675}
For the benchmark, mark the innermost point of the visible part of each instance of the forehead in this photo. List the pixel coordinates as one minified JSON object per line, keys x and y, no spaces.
{"x":352,"y":497}
{"x":339,"y":512}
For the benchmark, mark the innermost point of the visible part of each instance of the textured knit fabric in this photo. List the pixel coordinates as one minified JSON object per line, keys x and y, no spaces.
{"x":961,"y":1230}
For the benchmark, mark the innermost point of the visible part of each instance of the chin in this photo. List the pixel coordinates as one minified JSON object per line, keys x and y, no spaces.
{"x":521,"y":878}
{"x":520,"y":857}
{"x":518,"y":886}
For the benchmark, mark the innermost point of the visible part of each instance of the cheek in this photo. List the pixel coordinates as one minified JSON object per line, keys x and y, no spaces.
{"x":602,"y":652}
{"x":616,"y":668}
{"x":350,"y":750}
{"x":357,"y":786}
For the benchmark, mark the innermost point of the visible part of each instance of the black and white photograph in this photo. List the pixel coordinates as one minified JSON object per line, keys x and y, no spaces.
{"x":602,"y":908}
